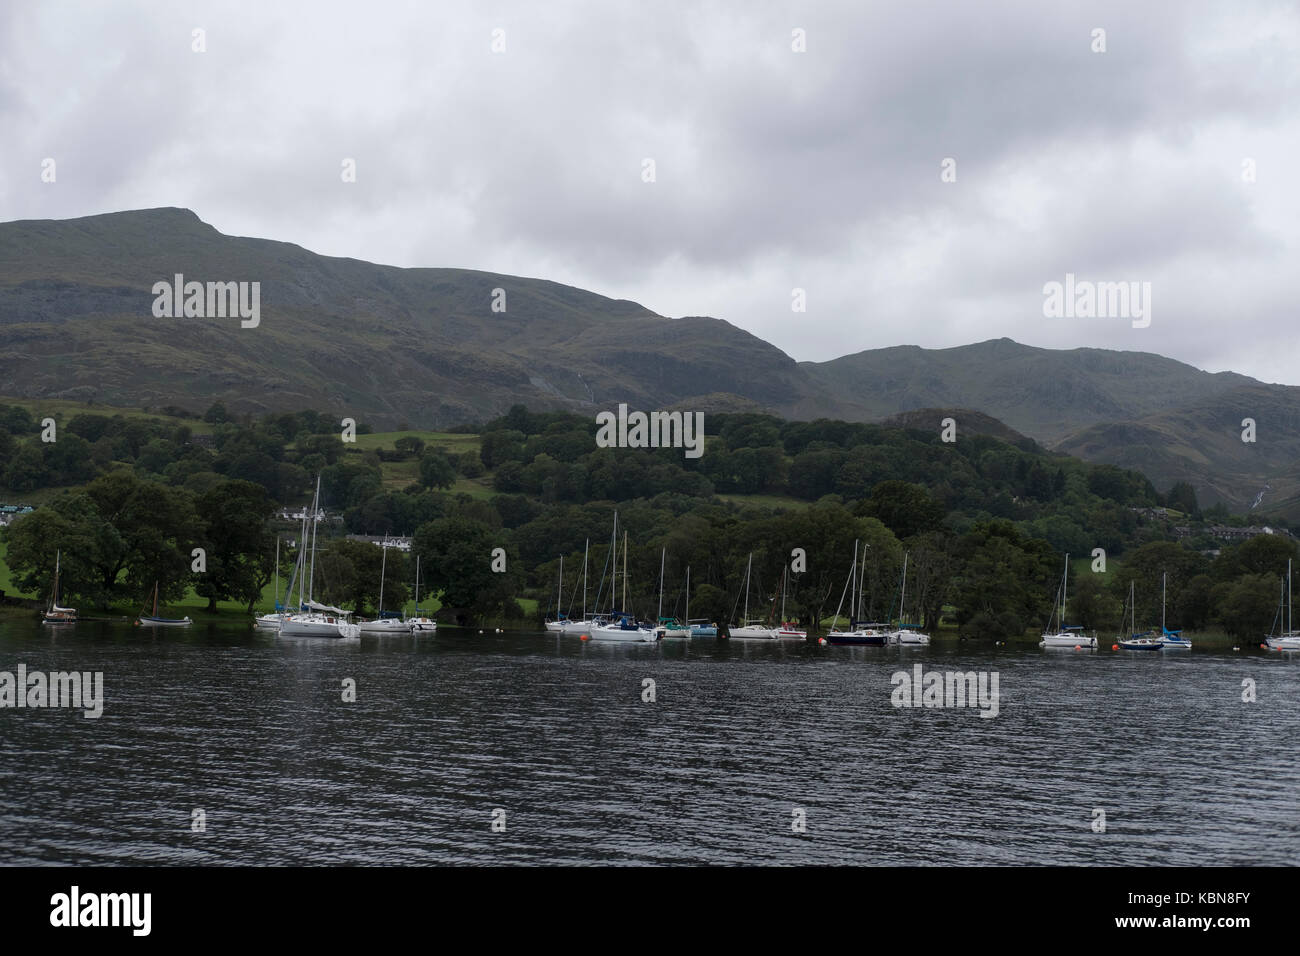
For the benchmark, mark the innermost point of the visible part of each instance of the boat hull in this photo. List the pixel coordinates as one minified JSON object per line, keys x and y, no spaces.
{"x":910,"y":639}
{"x":164,"y":622}
{"x":424,"y":625}
{"x":622,"y":634}
{"x":1140,"y":645}
{"x":858,"y":638}
{"x":1067,"y":640}
{"x":751,"y":633}
{"x":318,"y":627}
{"x":387,"y":625}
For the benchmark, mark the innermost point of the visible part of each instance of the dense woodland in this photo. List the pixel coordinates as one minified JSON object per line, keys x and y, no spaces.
{"x":985,"y":522}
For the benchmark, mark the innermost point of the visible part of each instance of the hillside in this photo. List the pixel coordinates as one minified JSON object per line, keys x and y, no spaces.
{"x":422,"y":348}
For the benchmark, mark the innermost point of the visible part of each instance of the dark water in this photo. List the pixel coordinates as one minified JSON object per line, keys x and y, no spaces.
{"x":446,"y":729}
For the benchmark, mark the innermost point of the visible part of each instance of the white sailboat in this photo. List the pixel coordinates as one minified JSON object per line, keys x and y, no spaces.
{"x":271,"y":622}
{"x":789,"y":630}
{"x":316,"y":620}
{"x":558,"y":622}
{"x":53,"y":613}
{"x":394,"y":624}
{"x":858,"y":632}
{"x":420,"y":622}
{"x":1135,"y":641}
{"x":904,"y":634}
{"x":670,"y":627}
{"x":1169,"y":640}
{"x":751,"y":630}
{"x":1065,"y":636}
{"x":619,"y":625}
{"x":1288,"y":639}
{"x":582,"y":624}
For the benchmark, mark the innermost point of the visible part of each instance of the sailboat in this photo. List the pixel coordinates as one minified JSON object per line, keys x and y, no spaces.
{"x":568,"y":624}
{"x":1169,"y":640}
{"x":700,"y":626}
{"x":421,"y":622}
{"x":1065,"y":636}
{"x":53,"y":613}
{"x":315,"y":620}
{"x":1287,"y":640}
{"x":271,"y":622}
{"x":393,"y":624}
{"x":669,"y":627}
{"x":904,"y":634}
{"x":561,"y":619}
{"x":1136,"y":641}
{"x":154,"y":620}
{"x":859,"y":632}
{"x":751,"y":630}
{"x":789,"y":630}
{"x":618,"y":624}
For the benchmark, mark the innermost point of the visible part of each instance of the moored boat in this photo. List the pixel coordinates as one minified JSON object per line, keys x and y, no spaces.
{"x":750,"y":629}
{"x":153,"y":620}
{"x":53,"y":613}
{"x":858,"y":633}
{"x":1065,"y":635}
{"x":1287,"y":639}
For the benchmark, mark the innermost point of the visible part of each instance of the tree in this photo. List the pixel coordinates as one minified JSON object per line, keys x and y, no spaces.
{"x":436,"y":470}
{"x":216,"y":414}
{"x":239,"y":544}
{"x":410,"y":446}
{"x":457,"y":563}
{"x":904,"y":508}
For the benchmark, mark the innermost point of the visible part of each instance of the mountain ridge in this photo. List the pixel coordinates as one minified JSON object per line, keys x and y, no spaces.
{"x":422,"y":346}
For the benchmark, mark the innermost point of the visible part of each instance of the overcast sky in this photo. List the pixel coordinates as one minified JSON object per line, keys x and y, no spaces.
{"x":774,"y":169}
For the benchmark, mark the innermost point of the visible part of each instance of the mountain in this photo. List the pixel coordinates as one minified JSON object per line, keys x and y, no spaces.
{"x":424,"y":347}
{"x":1043,"y":393}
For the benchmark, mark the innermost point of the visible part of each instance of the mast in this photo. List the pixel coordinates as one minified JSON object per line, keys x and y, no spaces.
{"x":54,"y":600}
{"x":663,"y":555}
{"x":559,"y":589}
{"x":625,"y":571}
{"x":1065,"y":588}
{"x":744,"y":620}
{"x":688,"y":594}
{"x":1164,"y":586}
{"x":584,"y":577}
{"x":784,"y":568}
{"x":417,"y":585}
{"x":383,"y":568}
{"x":862,"y":578}
{"x":613,"y":582}
{"x":902,"y":594}
{"x":853,"y":592}
{"x":311,"y":578}
{"x":1288,"y":597}
{"x":155,"y":599}
{"x":276,"y":592}
{"x":1132,"y":610}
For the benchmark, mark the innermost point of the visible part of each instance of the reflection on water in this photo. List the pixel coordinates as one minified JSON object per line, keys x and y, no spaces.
{"x":446,"y":728}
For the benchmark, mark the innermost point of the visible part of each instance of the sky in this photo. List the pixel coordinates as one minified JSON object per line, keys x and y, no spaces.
{"x":794,"y":146}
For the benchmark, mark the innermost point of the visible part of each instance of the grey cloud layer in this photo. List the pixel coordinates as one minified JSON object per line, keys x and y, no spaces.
{"x":774,"y":169}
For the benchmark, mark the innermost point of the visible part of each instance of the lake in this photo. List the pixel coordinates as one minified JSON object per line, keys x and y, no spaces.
{"x":744,"y":744}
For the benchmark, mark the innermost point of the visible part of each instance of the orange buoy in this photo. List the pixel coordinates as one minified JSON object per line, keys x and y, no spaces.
{"x":586,"y":637}
{"x":821,"y":641}
{"x":1114,"y":647}
{"x":1078,"y":647}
